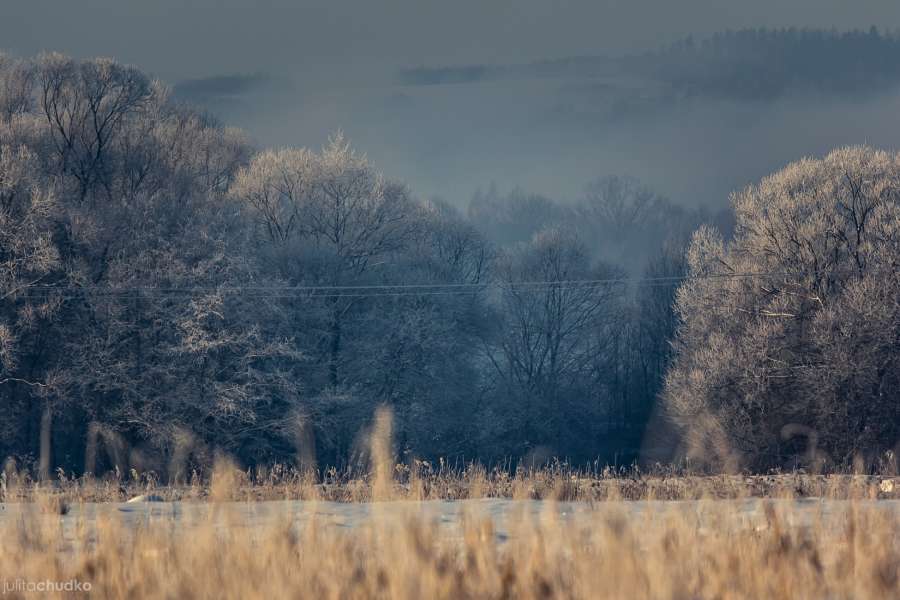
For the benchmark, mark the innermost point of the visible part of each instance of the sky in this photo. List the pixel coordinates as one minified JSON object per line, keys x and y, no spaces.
{"x":292,"y":72}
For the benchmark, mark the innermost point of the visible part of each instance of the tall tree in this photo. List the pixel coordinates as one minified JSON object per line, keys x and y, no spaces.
{"x":555,"y":336}
{"x":775,"y":336}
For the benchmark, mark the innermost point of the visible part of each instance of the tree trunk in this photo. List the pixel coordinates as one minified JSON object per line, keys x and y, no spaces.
{"x":46,"y":444}
{"x":333,"y":375}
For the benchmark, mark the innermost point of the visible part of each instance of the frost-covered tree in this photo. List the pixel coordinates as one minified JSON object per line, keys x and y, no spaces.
{"x":111,"y":195}
{"x":336,"y":214}
{"x":29,"y":262}
{"x":793,"y":325}
{"x":329,"y":226}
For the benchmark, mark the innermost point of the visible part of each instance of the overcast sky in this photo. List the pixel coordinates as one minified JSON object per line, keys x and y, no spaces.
{"x":326,"y":64}
{"x":192,"y":38}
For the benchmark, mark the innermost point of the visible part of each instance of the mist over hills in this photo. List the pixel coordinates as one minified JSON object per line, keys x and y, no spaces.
{"x":695,"y":120}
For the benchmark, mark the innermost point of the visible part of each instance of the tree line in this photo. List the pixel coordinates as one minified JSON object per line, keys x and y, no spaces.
{"x":169,"y":290}
{"x":762,"y":64}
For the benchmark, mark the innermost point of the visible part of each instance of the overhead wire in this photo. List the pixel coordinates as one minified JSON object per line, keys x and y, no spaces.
{"x":372,"y":290}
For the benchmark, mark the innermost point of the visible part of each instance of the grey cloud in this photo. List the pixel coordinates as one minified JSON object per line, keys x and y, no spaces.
{"x":557,"y":68}
{"x":220,"y":85}
{"x":237,"y":96}
{"x":448,"y":75}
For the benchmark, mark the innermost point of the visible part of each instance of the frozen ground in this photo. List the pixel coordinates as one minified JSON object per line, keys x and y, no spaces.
{"x":257,"y":516}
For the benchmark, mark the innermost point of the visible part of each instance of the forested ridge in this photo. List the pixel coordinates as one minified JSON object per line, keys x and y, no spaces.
{"x":170,"y":290}
{"x":760,"y":64}
{"x":745,"y":64}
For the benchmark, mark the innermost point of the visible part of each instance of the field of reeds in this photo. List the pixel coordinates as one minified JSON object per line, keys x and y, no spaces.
{"x":566,"y":533}
{"x":850,"y":550}
{"x":421,"y":481}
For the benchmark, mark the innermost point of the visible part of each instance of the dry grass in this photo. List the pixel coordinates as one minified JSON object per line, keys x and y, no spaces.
{"x":423,"y":481}
{"x":854,"y":553}
{"x":674,"y":551}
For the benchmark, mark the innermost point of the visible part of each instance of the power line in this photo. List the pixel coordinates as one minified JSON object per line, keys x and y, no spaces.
{"x":375,"y":290}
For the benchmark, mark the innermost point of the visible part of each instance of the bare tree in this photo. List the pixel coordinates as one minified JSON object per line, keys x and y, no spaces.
{"x":554,"y":333}
{"x":86,"y":105}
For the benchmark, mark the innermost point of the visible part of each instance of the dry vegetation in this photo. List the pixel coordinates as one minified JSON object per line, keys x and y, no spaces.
{"x":850,"y":552}
{"x":423,"y":482}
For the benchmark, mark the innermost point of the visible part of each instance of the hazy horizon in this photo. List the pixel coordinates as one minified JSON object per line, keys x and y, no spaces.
{"x":291,"y":75}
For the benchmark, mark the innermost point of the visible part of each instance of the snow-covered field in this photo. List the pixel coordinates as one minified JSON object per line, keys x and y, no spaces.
{"x":449,"y":515}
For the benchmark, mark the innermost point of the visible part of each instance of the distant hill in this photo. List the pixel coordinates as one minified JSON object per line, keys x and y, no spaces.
{"x":761,"y":63}
{"x":750,"y":64}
